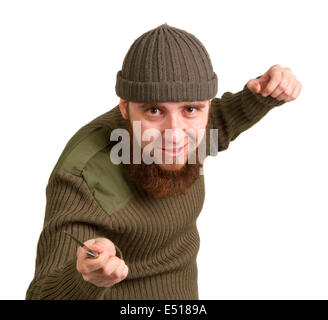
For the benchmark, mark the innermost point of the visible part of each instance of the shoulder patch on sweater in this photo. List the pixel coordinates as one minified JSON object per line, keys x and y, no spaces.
{"x":106,"y":181}
{"x":87,"y":154}
{"x":80,"y":148}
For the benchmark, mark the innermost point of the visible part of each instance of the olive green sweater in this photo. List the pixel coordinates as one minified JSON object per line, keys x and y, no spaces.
{"x":89,"y":196}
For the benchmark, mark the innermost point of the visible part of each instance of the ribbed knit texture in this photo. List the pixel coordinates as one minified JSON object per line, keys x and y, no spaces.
{"x":157,"y":238}
{"x":166,"y":64}
{"x":159,"y":241}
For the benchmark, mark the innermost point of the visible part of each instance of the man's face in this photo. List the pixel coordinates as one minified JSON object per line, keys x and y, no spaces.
{"x":187,"y":123}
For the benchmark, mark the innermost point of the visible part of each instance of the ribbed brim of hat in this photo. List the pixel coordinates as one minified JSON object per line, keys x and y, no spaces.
{"x":165,"y":91}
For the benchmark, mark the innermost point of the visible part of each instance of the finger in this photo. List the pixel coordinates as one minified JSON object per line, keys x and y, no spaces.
{"x":275,"y":79}
{"x":123,"y":274}
{"x":291,"y":86}
{"x":89,"y":242}
{"x":282,"y":86}
{"x":101,"y":276}
{"x":254,"y":85}
{"x":296,"y":91}
{"x":107,"y":245}
{"x":82,"y":251}
{"x":288,"y":92}
{"x":263,"y":81}
{"x":125,"y":271}
{"x":120,"y":271}
{"x":282,"y":96}
{"x":109,"y":268}
{"x":115,"y":274}
{"x":87,"y":265}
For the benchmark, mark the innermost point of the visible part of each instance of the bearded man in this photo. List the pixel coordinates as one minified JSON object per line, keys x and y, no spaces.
{"x":140,"y":216}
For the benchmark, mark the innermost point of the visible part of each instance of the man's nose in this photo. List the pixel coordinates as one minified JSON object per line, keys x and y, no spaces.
{"x":174,"y":129}
{"x":174,"y":122}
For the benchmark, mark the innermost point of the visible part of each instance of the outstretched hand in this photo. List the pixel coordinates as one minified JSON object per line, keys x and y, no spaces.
{"x":277,"y":82}
{"x":104,"y":271}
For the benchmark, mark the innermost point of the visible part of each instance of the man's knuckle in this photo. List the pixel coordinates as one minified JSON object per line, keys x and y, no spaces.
{"x":86,"y":277}
{"x":79,"y":268}
{"x":104,"y":271}
{"x":275,"y":85}
{"x":289,"y":90}
{"x":117,"y":280}
{"x":107,"y":270}
{"x":292,"y":95}
{"x":116,"y":274}
{"x":277,"y":74}
{"x":283,"y":85}
{"x":84,"y":270}
{"x":103,"y":241}
{"x":269,"y":88}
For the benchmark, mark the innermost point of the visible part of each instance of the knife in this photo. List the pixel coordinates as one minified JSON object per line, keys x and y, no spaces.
{"x":90,"y":253}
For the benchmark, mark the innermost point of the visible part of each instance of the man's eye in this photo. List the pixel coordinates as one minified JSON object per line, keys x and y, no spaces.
{"x":152,"y":110}
{"x":190,"y":109}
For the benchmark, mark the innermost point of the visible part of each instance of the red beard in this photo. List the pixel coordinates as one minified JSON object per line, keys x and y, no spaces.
{"x":159,"y":182}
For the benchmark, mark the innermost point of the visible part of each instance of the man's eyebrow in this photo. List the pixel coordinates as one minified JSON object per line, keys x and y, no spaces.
{"x":188,"y":104}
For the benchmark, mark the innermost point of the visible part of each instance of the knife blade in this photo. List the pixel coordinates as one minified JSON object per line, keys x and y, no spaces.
{"x":90,"y":253}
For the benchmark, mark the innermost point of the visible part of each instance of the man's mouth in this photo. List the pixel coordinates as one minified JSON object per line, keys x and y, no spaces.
{"x":174,"y":151}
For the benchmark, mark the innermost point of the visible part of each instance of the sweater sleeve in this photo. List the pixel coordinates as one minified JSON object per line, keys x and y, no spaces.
{"x":234,"y":113}
{"x":70,"y":206}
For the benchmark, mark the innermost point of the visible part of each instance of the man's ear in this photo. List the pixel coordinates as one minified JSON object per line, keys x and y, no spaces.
{"x":124,"y":104}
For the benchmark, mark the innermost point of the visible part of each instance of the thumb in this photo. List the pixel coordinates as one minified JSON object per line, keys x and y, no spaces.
{"x":254,"y":85}
{"x":92,"y":244}
{"x":105,"y":245}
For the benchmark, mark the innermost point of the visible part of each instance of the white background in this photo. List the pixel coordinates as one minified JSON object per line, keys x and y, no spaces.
{"x":263,"y":226}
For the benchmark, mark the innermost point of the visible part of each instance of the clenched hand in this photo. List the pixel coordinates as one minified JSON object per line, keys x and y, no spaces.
{"x":278,"y":82}
{"x":104,"y":271}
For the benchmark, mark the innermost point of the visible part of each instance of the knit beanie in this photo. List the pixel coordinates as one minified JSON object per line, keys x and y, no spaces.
{"x":166,"y":64}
